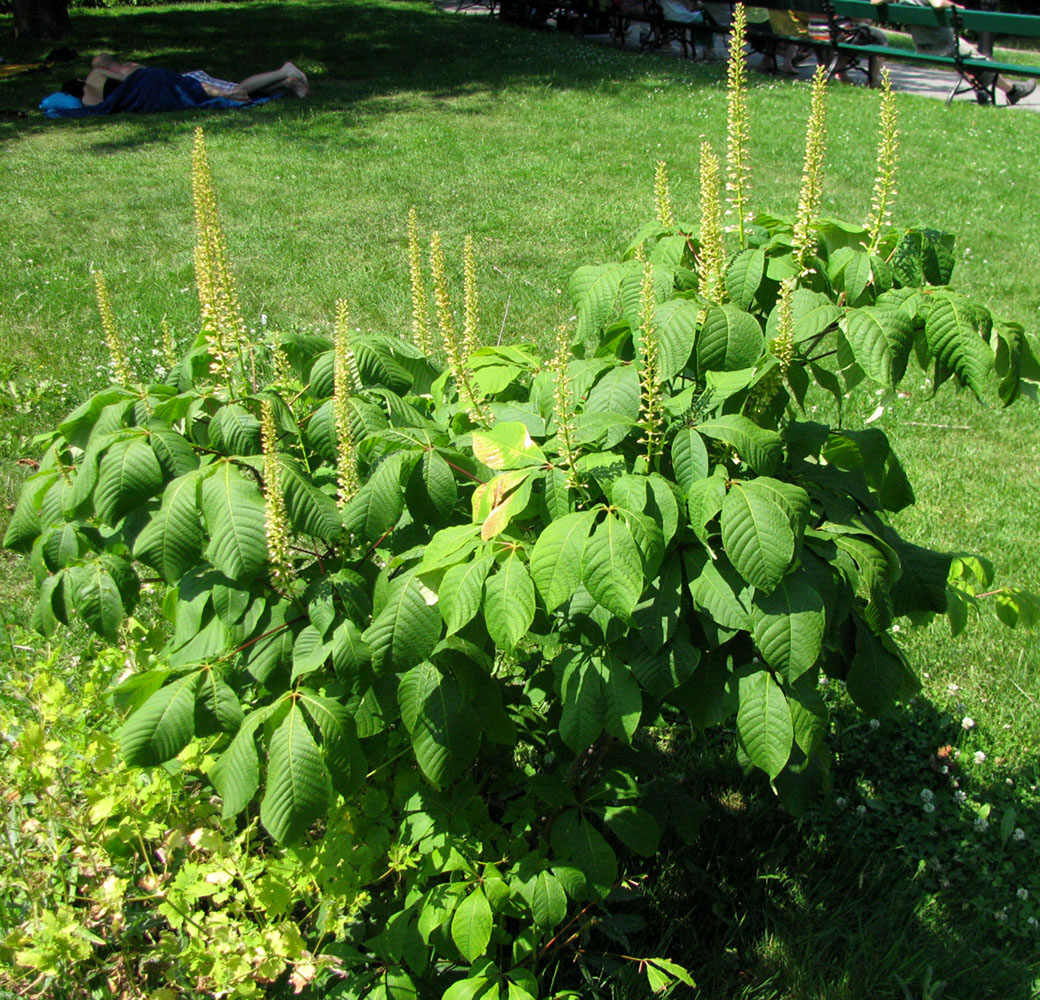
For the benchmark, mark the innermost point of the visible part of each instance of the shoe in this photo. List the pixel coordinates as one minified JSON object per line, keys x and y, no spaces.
{"x":1020,"y":90}
{"x":982,"y":96}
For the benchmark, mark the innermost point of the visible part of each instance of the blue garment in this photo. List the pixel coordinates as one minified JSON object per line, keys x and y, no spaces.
{"x":150,"y":89}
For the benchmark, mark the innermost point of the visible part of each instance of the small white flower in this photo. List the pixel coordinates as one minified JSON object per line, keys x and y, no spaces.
{"x":967,"y":722}
{"x":953,"y":688}
{"x":1031,"y":921}
{"x":980,"y":757}
{"x":927,"y":795}
{"x":1022,"y":893}
{"x":981,"y":824}
{"x":929,"y":807}
{"x":1019,"y":834}
{"x":875,"y":723}
{"x":861,"y":810}
{"x":1001,"y":916}
{"x":960,"y":795}
{"x":825,"y":681}
{"x":840,"y":802}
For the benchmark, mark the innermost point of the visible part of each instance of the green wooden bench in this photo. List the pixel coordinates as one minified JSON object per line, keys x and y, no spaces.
{"x":973,"y":75}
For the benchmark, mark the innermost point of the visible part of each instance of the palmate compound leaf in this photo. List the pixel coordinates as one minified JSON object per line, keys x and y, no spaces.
{"x":788,"y":626}
{"x":339,"y":740}
{"x":557,"y":557}
{"x":233,"y":508}
{"x":957,"y":332}
{"x":757,"y":535}
{"x":299,"y":787}
{"x":471,"y":925}
{"x":162,"y":726}
{"x":95,"y":595}
{"x":881,"y":339}
{"x":172,"y":541}
{"x":236,"y":774}
{"x":509,"y":602}
{"x":443,"y":727}
{"x":764,"y":722}
{"x":407,"y":626}
{"x":611,"y":567}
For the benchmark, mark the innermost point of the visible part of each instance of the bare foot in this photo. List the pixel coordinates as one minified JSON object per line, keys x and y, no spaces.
{"x":295,"y":80}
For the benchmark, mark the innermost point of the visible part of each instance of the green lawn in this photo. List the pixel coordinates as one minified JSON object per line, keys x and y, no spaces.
{"x":542,"y":147}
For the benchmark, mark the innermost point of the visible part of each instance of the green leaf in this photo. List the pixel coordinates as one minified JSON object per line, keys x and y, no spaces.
{"x":311,"y":512}
{"x":471,"y":925}
{"x":444,"y":728}
{"x":583,"y":704}
{"x":299,"y":788}
{"x":351,"y":655}
{"x":764,"y":722}
{"x":339,"y":741}
{"x":236,"y":774}
{"x":716,"y":588}
{"x":376,"y":507}
{"x":623,"y":704}
{"x":593,"y":290}
{"x":676,"y":331}
{"x":634,"y":827}
{"x":129,"y":475}
{"x":507,"y":446}
{"x":548,"y":901}
{"x":174,"y":452}
{"x":509,"y":603}
{"x":956,"y":331}
{"x":431,"y":491}
{"x":689,"y":458}
{"x":757,"y":536}
{"x":730,"y":340}
{"x":498,"y":501}
{"x":25,"y":523}
{"x":172,"y":541}
{"x":163,"y":726}
{"x":612,"y":569}
{"x":217,"y":709}
{"x":758,"y":447}
{"x":476,"y":988}
{"x":880,"y":339}
{"x":616,"y":391}
{"x":461,"y":592}
{"x":878,"y":675}
{"x":744,"y":276}
{"x":233,"y":509}
{"x":309,"y":652}
{"x":788,"y":626}
{"x":556,"y":558}
{"x":406,"y":628}
{"x":96,"y":597}
{"x":233,"y":430}
{"x":575,"y":838}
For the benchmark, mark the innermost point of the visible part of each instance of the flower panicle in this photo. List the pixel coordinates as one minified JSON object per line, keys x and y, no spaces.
{"x":454,"y":347}
{"x":168,"y":348}
{"x":563,"y":408}
{"x":650,"y":415}
{"x":276,"y":519}
{"x":782,"y":345}
{"x":114,"y":343}
{"x":738,"y":127}
{"x":420,"y":309}
{"x":223,"y":326}
{"x":811,"y":197}
{"x":345,"y":380}
{"x":663,"y":196}
{"x":471,"y":318}
{"x":712,"y":262}
{"x":887,"y":158}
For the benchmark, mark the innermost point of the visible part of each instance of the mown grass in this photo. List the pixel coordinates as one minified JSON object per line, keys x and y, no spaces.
{"x":542,"y":147}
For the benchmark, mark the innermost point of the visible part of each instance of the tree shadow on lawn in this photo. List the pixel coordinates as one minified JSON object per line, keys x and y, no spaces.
{"x":352,"y":53}
{"x":850,"y":903}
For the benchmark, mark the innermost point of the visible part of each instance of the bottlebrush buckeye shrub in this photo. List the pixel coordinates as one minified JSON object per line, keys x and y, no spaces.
{"x":446,"y":597}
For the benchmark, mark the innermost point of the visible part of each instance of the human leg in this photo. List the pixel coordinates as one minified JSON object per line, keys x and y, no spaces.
{"x":287,"y":76}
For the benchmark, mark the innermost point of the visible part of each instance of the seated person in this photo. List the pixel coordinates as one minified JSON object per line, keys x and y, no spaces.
{"x":941,"y":41}
{"x":682,"y":11}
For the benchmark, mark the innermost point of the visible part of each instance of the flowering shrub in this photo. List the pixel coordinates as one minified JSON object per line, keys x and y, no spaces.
{"x":441,"y":597}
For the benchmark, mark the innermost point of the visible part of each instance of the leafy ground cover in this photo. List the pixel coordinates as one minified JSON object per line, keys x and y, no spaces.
{"x":543,"y":148}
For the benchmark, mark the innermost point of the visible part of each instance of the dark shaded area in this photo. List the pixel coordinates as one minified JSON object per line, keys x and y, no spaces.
{"x":352,"y":53}
{"x":43,"y":19}
{"x":764,"y":905}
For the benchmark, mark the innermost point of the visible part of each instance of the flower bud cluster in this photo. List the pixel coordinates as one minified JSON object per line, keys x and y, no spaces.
{"x":276,"y":520}
{"x":420,"y":318}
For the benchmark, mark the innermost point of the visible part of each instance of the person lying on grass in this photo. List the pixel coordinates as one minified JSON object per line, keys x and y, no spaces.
{"x":112,"y":85}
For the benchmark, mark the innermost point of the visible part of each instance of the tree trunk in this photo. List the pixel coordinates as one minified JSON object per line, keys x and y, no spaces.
{"x":41,"y":19}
